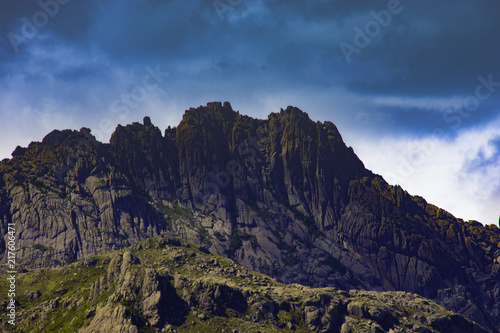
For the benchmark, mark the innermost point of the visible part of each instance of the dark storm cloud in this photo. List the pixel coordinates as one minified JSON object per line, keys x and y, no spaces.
{"x":441,"y":49}
{"x":426,"y":51}
{"x":22,"y":21}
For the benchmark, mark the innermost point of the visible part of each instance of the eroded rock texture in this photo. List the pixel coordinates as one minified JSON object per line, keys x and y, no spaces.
{"x":284,"y":196}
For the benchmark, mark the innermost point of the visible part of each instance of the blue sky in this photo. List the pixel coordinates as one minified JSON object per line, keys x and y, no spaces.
{"x":413,"y":85}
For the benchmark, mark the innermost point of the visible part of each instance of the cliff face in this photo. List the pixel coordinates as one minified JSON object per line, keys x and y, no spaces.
{"x":68,"y":200}
{"x":283,"y":196}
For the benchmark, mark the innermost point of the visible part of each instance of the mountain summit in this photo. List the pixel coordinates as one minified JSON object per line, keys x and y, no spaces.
{"x":283,"y":196}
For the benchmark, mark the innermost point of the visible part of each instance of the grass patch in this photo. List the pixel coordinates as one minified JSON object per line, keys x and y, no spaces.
{"x":42,"y":248}
{"x":175,"y":211}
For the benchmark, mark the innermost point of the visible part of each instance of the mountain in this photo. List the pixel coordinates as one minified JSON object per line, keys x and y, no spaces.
{"x":165,"y":284}
{"x":282,"y":196}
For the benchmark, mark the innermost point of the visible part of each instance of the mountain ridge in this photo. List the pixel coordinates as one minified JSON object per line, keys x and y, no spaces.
{"x":167,"y":284}
{"x":284,"y":196}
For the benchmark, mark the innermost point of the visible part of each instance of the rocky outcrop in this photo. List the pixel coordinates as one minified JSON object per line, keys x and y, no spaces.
{"x":283,"y":196}
{"x":156,"y":287}
{"x":68,"y":200}
{"x":111,"y":319}
{"x":147,"y":158}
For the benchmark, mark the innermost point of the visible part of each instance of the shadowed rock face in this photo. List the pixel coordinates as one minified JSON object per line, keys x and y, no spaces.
{"x":283,"y":196}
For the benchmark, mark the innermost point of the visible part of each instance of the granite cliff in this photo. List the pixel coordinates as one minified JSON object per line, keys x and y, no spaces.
{"x":283,"y":196}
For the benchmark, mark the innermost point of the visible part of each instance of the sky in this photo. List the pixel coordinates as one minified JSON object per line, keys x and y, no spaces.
{"x":412,"y":85}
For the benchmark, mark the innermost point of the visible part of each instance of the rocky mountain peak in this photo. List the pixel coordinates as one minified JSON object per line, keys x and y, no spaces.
{"x":293,"y":113}
{"x":282,"y":196}
{"x":147,"y":121}
{"x":215,"y":111}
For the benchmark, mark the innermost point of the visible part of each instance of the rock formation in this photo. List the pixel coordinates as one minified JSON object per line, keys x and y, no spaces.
{"x":283,"y":196}
{"x":159,"y":287}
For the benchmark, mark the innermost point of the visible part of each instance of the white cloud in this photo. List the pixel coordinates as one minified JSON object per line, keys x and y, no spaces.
{"x":460,"y":175}
{"x":23,"y":124}
{"x":424,"y":103}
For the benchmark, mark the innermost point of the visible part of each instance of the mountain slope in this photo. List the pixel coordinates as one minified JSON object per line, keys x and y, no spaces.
{"x":283,"y":196}
{"x":168,"y":285}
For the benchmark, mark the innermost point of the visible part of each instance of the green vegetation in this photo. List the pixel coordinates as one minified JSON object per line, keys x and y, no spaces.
{"x":45,"y":189}
{"x":60,"y":289}
{"x":219,"y":236}
{"x":176,"y":211}
{"x":42,"y":248}
{"x":205,"y":238}
{"x":196,"y":285}
{"x":237,"y":238}
{"x":235,"y":241}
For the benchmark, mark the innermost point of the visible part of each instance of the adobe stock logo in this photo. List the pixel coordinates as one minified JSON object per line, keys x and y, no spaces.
{"x":29,"y":28}
{"x":372,"y":29}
